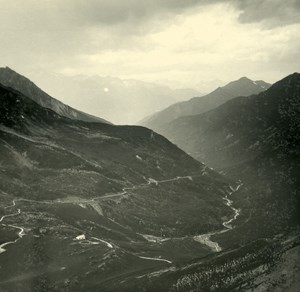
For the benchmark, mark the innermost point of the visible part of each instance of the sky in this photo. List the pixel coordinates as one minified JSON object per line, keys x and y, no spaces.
{"x":181,"y":43}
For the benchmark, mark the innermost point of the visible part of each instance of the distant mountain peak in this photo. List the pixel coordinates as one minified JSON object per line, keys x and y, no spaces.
{"x":245,"y":86}
{"x":247,"y":81}
{"x":244,"y":78}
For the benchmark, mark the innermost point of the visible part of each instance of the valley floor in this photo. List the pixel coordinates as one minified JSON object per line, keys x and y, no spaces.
{"x":253,"y":267}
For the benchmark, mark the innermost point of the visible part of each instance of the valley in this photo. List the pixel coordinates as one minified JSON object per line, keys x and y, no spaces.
{"x":150,"y":146}
{"x":89,"y":205}
{"x":91,"y":197}
{"x":90,"y":240}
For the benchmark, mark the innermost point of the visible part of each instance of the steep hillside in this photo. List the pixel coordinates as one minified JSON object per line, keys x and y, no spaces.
{"x":255,"y":139}
{"x":18,"y":82}
{"x":84,"y":203}
{"x":198,"y":105}
{"x":242,"y":128}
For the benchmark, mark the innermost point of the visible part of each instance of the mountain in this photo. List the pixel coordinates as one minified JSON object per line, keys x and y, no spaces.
{"x":122,"y":101}
{"x":98,"y":207}
{"x":235,"y":131}
{"x":12,"y":79}
{"x":198,"y":105}
{"x":255,"y":139}
{"x":86,"y":206}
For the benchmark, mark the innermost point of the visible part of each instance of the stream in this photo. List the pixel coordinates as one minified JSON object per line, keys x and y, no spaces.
{"x":205,"y":238}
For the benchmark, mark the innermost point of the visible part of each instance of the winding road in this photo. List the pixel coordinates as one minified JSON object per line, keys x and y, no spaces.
{"x":203,"y":238}
{"x":21,"y":232}
{"x":155,"y":259}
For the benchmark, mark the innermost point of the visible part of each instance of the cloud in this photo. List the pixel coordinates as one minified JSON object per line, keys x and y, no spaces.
{"x":76,"y":26}
{"x":207,"y":44}
{"x":186,"y":40}
{"x":51,"y":14}
{"x":116,"y":11}
{"x":137,"y":13}
{"x":271,"y":13}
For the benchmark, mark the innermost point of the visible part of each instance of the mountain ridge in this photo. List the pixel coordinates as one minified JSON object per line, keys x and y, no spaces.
{"x":243,"y":86}
{"x":279,"y":89}
{"x":11,"y":78}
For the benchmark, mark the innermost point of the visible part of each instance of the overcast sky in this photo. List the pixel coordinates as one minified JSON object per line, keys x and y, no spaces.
{"x":185,"y":43}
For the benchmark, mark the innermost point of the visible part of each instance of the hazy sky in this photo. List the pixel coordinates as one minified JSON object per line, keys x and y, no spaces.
{"x":179,"y":42}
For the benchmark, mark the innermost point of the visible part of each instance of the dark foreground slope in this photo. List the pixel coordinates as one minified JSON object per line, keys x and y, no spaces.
{"x":12,"y":79}
{"x":198,"y":105}
{"x":134,"y":199}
